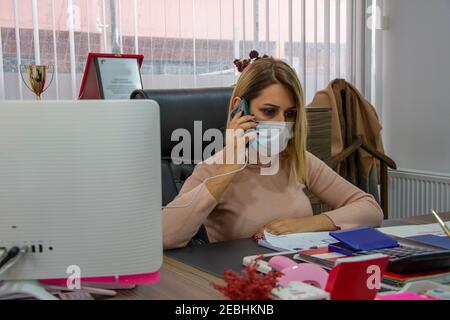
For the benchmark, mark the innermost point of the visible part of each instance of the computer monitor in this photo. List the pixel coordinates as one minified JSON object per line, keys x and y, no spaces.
{"x":80,"y":186}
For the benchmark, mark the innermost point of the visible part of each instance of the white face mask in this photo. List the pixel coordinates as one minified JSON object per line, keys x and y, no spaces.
{"x":273,"y":137}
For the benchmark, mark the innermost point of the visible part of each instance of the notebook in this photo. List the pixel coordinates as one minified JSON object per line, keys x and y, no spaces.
{"x":397,"y":281}
{"x":442,"y":242}
{"x":364,"y":239}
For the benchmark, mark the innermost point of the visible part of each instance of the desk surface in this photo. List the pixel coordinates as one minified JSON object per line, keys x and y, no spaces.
{"x":185,"y":282}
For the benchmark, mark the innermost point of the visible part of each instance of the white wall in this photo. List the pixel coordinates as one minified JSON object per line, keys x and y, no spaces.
{"x":416,"y":85}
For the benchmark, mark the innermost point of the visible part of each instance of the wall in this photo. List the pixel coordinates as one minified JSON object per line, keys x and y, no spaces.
{"x":416,"y":85}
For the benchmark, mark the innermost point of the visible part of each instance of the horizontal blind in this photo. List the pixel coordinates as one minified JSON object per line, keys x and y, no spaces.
{"x":185,"y":43}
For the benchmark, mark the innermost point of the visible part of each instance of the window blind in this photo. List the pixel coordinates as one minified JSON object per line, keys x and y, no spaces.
{"x":186,"y":43}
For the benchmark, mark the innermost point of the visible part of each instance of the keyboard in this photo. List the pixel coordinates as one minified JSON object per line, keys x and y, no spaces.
{"x":408,"y":260}
{"x":398,"y":252}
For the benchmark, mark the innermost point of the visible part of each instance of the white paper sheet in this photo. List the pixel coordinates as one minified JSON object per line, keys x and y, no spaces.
{"x":300,"y":240}
{"x":414,"y":230}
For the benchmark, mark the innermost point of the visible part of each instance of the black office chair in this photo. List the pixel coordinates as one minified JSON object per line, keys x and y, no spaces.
{"x":180,"y":108}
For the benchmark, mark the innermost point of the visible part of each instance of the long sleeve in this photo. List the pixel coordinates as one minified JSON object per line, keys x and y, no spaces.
{"x":181,"y":224}
{"x":352,"y":207}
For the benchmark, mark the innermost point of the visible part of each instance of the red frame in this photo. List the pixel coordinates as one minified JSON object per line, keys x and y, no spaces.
{"x":90,"y":74}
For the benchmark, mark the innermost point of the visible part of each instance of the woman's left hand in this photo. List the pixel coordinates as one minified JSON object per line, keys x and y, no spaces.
{"x":298,"y":225}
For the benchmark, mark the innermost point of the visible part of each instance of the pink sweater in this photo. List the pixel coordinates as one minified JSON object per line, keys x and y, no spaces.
{"x":253,"y":200}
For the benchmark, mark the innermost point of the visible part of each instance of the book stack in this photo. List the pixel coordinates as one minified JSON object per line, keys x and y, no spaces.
{"x":391,"y":281}
{"x":397,"y":281}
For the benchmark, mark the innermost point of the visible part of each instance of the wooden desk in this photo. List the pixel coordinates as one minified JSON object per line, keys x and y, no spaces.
{"x":183,"y":282}
{"x":179,"y":281}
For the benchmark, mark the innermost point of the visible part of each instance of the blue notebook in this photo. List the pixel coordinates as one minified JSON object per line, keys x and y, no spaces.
{"x":365,"y":239}
{"x":437,"y":241}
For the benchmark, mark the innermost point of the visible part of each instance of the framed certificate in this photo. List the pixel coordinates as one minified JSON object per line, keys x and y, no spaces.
{"x":111,"y":76}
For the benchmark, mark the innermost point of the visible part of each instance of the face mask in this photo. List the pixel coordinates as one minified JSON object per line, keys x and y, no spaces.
{"x":273,"y":137}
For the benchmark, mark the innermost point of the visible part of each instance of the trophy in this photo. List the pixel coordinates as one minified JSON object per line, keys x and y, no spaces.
{"x":37,"y":76}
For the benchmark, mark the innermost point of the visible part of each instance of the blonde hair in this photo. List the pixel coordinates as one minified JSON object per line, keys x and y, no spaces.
{"x":258,"y":76}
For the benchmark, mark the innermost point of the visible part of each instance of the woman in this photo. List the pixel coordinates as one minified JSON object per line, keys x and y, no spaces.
{"x":237,"y":201}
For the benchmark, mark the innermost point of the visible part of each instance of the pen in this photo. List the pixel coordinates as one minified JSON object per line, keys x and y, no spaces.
{"x":441,"y":223}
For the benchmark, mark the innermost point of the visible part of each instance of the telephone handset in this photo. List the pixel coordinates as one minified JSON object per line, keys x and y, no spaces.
{"x":241,"y":106}
{"x":244,"y":106}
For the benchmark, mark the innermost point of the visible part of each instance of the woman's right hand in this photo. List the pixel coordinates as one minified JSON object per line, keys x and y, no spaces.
{"x":234,"y":152}
{"x":237,"y":137}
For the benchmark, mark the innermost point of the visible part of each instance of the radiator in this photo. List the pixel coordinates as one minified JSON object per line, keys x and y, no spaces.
{"x":415,"y":193}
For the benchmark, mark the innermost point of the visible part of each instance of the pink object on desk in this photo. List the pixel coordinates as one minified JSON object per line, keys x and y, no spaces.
{"x":304,"y":272}
{"x":403,"y":296}
{"x":138,"y":279}
{"x":279,"y":263}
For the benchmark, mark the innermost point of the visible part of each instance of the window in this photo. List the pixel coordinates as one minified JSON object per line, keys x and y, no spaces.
{"x":186,"y":43}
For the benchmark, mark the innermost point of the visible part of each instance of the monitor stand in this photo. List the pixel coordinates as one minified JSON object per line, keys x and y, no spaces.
{"x":28,"y":288}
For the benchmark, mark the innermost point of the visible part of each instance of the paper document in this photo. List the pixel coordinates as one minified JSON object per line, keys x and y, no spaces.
{"x":414,"y":230}
{"x":299,"y":241}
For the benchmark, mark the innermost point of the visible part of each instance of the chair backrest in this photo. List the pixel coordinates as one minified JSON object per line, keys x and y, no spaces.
{"x":319,"y":144}
{"x":180,"y":109}
{"x":319,"y":133}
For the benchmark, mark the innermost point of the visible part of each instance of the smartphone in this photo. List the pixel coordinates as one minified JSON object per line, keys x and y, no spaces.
{"x":245,"y":107}
{"x":242,"y":106}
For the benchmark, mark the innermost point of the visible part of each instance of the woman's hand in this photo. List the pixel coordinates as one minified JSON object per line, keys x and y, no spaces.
{"x":235,"y":153}
{"x":298,"y":225}
{"x":237,"y":138}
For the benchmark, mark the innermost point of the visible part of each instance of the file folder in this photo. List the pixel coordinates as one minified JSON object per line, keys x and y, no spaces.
{"x":364,"y":239}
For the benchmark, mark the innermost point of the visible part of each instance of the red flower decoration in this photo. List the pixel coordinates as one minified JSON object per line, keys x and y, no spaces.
{"x":253,"y":54}
{"x":249,"y":285}
{"x":241,"y":64}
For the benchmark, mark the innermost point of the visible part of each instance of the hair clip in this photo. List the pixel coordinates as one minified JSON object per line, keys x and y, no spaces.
{"x":241,"y":64}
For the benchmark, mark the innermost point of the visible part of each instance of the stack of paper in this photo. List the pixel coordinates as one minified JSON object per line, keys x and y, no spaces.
{"x":297,"y":241}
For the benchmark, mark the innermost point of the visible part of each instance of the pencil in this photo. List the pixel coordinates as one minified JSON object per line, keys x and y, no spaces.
{"x":441,"y":223}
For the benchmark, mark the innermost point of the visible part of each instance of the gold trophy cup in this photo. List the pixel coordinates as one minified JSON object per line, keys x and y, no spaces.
{"x":37,"y":76}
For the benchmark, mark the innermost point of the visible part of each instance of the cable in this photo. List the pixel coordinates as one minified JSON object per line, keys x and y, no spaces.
{"x":12,"y":256}
{"x":203,"y":184}
{"x":90,"y":290}
{"x":3,"y":252}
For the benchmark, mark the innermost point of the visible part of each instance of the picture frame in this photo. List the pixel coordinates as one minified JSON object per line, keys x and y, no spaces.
{"x":111,"y":76}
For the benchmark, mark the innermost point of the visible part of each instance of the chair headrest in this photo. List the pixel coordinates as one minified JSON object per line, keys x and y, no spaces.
{"x":181,"y":108}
